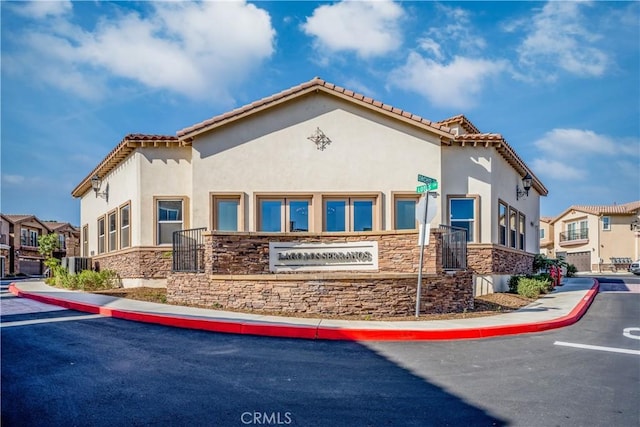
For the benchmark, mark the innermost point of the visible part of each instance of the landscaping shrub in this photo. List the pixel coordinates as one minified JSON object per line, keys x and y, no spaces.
{"x":513,"y":284}
{"x":86,"y":280}
{"x":530,"y":287}
{"x":571,"y":270}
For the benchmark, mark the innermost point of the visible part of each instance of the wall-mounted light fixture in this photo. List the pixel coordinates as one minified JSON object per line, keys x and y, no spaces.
{"x":96,"y":183}
{"x":526,"y":186}
{"x":635,"y":225}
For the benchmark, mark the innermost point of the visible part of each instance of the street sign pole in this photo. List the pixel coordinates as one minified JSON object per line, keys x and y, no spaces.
{"x":422,"y":238}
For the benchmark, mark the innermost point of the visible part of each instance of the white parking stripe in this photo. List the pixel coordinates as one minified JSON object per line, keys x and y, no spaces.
{"x":55,"y":319}
{"x":598,"y":348}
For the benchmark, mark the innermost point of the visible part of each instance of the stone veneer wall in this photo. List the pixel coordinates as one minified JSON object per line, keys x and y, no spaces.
{"x":140,"y":262}
{"x":248,"y":253}
{"x":377,"y":295}
{"x":493,"y":259}
{"x":237,"y":277}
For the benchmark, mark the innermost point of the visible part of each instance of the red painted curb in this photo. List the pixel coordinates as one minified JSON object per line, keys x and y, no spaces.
{"x":319,"y":332}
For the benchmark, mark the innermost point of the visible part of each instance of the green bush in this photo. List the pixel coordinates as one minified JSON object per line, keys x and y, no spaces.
{"x":530,"y":287}
{"x":86,"y":280}
{"x":571,"y":270}
{"x":513,"y":284}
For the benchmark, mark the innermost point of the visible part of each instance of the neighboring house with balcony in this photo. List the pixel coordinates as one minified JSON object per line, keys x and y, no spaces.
{"x":5,"y":248}
{"x":68,"y":239}
{"x":23,"y":255}
{"x":19,"y":243}
{"x":596,"y":238}
{"x":316,"y":161}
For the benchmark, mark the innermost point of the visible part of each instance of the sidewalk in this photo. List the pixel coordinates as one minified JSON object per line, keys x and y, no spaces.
{"x":563,"y":307}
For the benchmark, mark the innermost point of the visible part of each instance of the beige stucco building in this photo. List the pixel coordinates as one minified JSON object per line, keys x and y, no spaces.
{"x":595,"y":238}
{"x":316,"y":160}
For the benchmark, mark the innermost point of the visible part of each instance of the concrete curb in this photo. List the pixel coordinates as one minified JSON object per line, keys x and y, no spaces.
{"x":246,"y":327}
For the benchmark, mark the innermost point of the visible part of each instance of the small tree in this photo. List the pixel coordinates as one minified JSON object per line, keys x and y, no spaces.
{"x":47,"y":244}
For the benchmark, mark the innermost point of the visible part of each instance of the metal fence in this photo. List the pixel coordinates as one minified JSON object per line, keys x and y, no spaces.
{"x":188,"y":251}
{"x":454,"y":248}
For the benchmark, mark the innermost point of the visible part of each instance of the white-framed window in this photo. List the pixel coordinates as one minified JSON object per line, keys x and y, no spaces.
{"x":62,"y":242}
{"x":606,"y":223}
{"x":24,"y":237}
{"x":283,"y":214}
{"x":101,"y":235}
{"x":125,"y":226}
{"x":113,"y":231}
{"x":541,"y":233}
{"x":349,"y":213}
{"x":169,"y":219}
{"x":462,"y":214}
{"x":502,"y":223}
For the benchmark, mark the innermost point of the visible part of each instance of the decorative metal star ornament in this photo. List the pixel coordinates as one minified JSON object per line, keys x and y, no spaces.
{"x":320,"y":139}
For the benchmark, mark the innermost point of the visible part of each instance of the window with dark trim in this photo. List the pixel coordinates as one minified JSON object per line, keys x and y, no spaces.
{"x":502,"y":223}
{"x":101,"y":235}
{"x":513,"y":230}
{"x":125,"y":226}
{"x":522,"y":223}
{"x":112,"y":227}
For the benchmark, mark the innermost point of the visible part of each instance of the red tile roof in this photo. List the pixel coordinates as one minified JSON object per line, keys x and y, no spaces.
{"x":120,"y":152}
{"x":315,"y":84}
{"x":186,"y":135}
{"x":461,"y":120}
{"x":631,"y":208}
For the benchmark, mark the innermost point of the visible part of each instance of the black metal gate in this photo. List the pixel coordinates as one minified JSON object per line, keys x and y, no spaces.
{"x":454,"y":248}
{"x":188,"y":251}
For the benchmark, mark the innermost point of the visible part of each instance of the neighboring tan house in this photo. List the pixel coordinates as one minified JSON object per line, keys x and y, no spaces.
{"x":5,"y":248}
{"x":19,"y":243}
{"x":546,"y":236}
{"x":68,"y":239}
{"x":598,"y":238}
{"x":23,"y":256}
{"x":315,"y":159}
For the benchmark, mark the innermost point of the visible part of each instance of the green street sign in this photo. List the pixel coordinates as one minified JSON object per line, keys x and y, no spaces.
{"x":427,"y":187}
{"x":425,"y":179}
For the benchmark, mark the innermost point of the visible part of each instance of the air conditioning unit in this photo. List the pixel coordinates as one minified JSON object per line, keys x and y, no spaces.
{"x":76,"y":264}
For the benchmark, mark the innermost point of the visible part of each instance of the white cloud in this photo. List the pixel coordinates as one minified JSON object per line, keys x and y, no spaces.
{"x":569,"y":154}
{"x":194,"y":49}
{"x":456,"y":25}
{"x":457,"y":84}
{"x":369,"y":28}
{"x":567,"y":142}
{"x":558,"y":38}
{"x":559,"y":170}
{"x":42,"y":9}
{"x":12,"y":179}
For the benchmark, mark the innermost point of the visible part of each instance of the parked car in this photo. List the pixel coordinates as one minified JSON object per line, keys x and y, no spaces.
{"x":635,"y":267}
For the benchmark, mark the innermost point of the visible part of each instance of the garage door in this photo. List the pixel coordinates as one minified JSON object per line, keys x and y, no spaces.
{"x":31,"y":266}
{"x":582,"y":260}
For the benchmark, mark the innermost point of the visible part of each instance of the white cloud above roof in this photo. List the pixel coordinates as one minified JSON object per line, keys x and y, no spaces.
{"x":559,"y":38}
{"x":199,"y":50}
{"x":456,"y":84}
{"x":42,"y":9}
{"x":368,"y":29}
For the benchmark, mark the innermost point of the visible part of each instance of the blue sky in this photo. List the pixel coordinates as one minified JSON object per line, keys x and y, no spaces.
{"x":559,"y":80}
